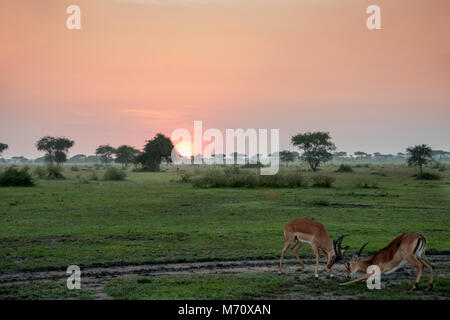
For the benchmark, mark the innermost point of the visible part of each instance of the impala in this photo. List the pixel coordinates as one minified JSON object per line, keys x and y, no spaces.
{"x":312,"y":232}
{"x":408,"y":247}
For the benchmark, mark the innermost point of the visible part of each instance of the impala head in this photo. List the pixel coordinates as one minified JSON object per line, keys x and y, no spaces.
{"x":338,"y":252}
{"x":352,"y":265}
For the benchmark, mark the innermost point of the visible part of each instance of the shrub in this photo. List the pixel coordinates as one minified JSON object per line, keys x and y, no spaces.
{"x":322,"y":181}
{"x":428,"y":176}
{"x":74,"y":168}
{"x":344,"y":168}
{"x":54,"y":172}
{"x":40,"y":172}
{"x":13,"y":177}
{"x":366,"y":184}
{"x":246,"y":179}
{"x":114,"y":174}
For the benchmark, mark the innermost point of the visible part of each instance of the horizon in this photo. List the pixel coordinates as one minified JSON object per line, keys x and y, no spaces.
{"x":140,"y":67}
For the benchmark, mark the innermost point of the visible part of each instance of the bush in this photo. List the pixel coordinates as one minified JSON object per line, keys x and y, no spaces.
{"x":114,"y":174}
{"x":16,"y":178}
{"x":366,"y":184}
{"x":428,"y":176}
{"x":40,"y":172}
{"x":54,"y":172}
{"x":243,"y":179}
{"x":322,"y":181}
{"x":74,"y":168}
{"x":344,"y":168}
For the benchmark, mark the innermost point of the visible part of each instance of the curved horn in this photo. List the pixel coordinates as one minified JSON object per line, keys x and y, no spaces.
{"x":338,"y":246}
{"x":360,"y":250}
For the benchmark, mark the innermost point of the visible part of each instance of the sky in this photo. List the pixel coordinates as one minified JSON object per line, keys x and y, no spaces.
{"x":139,"y":67}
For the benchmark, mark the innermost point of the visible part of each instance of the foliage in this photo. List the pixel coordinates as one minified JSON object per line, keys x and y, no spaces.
{"x":114,"y":174}
{"x":155,"y":151}
{"x":419,"y":155}
{"x":233,"y":177}
{"x":54,"y":172}
{"x":287,"y":156}
{"x":3,"y":147}
{"x":56,"y":148}
{"x":428,"y":176}
{"x":12,"y":177}
{"x":316,"y":146}
{"x":126,"y":155}
{"x":40,"y":172}
{"x":344,"y":168}
{"x":105,"y":152}
{"x":322,"y":181}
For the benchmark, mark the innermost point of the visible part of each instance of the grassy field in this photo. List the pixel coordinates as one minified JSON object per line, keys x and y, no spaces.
{"x":153,"y":217}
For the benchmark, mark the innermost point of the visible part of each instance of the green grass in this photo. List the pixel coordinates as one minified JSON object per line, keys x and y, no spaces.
{"x":263,"y":286}
{"x":223,"y":286}
{"x":152,"y":217}
{"x":39,"y":290}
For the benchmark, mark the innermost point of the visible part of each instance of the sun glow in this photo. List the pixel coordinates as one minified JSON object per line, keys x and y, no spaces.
{"x":185,"y":149}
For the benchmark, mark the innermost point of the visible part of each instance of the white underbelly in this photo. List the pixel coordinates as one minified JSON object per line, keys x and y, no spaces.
{"x":401,"y":264}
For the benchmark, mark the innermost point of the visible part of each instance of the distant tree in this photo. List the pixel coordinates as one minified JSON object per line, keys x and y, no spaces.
{"x":419,"y":155}
{"x":238,"y":156}
{"x":157,"y":150}
{"x":126,"y":155}
{"x":56,"y":148}
{"x":105,"y":152}
{"x":360,"y":154}
{"x":3,"y":147}
{"x":316,"y":146}
{"x":339,"y":154}
{"x":286,"y":156}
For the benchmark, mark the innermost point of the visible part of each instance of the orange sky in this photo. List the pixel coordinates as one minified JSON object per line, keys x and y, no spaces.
{"x":139,"y":67}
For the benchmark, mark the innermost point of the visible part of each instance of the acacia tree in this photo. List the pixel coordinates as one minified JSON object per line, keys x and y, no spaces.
{"x":56,"y":148}
{"x":419,"y":155}
{"x":126,"y":155}
{"x":157,"y":150}
{"x":3,"y":147}
{"x":105,"y":152}
{"x":316,"y":146}
{"x":287,"y":156}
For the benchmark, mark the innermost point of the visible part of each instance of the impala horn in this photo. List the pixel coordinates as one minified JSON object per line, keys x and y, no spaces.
{"x":337,"y":244}
{"x":360,"y":250}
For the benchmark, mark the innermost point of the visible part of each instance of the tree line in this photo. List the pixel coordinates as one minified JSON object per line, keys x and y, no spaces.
{"x":316,"y":148}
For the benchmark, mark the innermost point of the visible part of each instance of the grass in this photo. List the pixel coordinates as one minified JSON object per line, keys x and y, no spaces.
{"x":153,"y":217}
{"x":40,"y":290}
{"x":148,"y":218}
{"x":264,"y":286}
{"x":195,"y":287}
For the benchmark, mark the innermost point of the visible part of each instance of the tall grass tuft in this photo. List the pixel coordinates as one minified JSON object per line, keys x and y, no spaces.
{"x":322,"y":181}
{"x":114,"y":174}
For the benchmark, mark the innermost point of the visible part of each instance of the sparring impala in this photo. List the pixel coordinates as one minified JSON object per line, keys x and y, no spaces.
{"x":408,"y":247}
{"x":309,"y":231}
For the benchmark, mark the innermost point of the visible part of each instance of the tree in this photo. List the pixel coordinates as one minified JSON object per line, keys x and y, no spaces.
{"x":105,"y":152}
{"x":360,"y":154}
{"x":316,"y":146}
{"x":419,"y":155}
{"x":287,"y":156}
{"x":155,"y":151}
{"x":126,"y":155}
{"x":3,"y":147}
{"x":56,"y":148}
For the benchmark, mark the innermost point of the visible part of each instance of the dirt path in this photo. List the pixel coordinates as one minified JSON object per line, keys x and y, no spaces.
{"x":95,"y":278}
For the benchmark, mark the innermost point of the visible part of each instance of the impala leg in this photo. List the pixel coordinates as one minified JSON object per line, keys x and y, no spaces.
{"x":419,"y":266}
{"x":316,"y":253}
{"x":287,"y":243}
{"x":426,"y":262}
{"x":295,"y":250}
